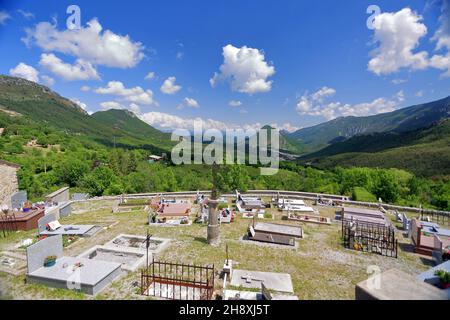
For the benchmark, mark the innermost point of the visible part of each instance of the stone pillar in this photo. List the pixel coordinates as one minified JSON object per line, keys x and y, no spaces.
{"x":213,"y":235}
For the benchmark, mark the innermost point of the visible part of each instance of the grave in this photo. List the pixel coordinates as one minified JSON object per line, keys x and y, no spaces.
{"x":309,"y":219}
{"x":129,"y":260}
{"x":46,"y":223}
{"x":12,"y":263}
{"x":177,"y":281}
{"x":280,"y":282}
{"x":18,"y":199}
{"x":278,"y":229}
{"x":134,"y":243}
{"x":85,"y":275}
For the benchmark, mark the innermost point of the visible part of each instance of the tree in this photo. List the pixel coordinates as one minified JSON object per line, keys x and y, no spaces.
{"x":386,"y":187}
{"x":71,"y":171}
{"x":98,"y":181}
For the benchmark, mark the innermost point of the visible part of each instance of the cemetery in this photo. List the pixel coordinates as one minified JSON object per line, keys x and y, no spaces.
{"x":280,"y":259}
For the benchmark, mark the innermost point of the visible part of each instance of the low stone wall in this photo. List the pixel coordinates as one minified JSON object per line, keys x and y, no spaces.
{"x":8,"y":183}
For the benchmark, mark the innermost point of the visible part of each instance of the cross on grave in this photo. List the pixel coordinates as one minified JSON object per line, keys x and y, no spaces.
{"x":249,"y":279}
{"x":147,"y":244}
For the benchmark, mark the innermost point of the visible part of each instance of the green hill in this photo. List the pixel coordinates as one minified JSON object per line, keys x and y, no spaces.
{"x":48,"y":108}
{"x":402,"y":120}
{"x":127,"y":122}
{"x":426,"y":152}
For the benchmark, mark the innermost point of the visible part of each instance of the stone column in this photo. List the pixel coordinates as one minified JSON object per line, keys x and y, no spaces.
{"x":213,"y":235}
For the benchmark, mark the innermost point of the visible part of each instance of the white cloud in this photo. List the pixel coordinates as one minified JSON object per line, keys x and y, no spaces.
{"x":442,"y":39}
{"x":314,"y":105}
{"x":81,"y":70}
{"x":323,"y":93}
{"x":25,"y":71}
{"x":167,"y":121}
{"x":26,"y":14}
{"x":246,"y":70}
{"x":188,"y":102}
{"x":111,"y":105}
{"x":287,"y":127}
{"x":397,"y":35}
{"x":135,"y":95}
{"x":90,"y":44}
{"x":48,"y":80}
{"x":82,"y":105}
{"x":180,"y":55}
{"x":243,"y":111}
{"x":235,"y":103}
{"x":419,"y":93}
{"x":399,"y":81}
{"x":4,"y":16}
{"x":85,"y":88}
{"x":150,"y":76}
{"x":135,"y":108}
{"x":169,"y":86}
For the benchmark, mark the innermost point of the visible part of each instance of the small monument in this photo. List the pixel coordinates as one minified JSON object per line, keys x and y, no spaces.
{"x":213,"y":235}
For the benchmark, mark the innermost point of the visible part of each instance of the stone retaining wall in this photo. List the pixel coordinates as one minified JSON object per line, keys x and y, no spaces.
{"x":8,"y":183}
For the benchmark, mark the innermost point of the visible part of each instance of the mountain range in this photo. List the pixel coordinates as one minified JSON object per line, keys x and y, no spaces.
{"x":119,"y":127}
{"x":415,"y":138}
{"x":401,"y":120}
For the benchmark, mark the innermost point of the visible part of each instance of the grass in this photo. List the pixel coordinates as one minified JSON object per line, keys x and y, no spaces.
{"x":320,"y":267}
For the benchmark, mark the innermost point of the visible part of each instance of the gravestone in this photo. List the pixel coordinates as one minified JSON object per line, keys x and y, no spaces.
{"x":18,"y":199}
{"x":42,"y":222}
{"x":36,"y":253}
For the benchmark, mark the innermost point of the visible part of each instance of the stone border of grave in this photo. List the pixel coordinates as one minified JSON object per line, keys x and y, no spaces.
{"x":243,"y":239}
{"x":138,"y":263}
{"x":20,"y":259}
{"x":165,"y":243}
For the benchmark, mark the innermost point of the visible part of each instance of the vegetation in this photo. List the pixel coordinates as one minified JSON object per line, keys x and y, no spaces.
{"x":402,"y":120}
{"x":426,"y":152}
{"x":106,"y":154}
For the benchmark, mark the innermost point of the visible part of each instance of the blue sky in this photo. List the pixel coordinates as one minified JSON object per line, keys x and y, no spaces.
{"x":290,"y":63}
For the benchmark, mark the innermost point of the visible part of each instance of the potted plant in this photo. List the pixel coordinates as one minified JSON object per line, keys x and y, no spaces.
{"x":50,"y":261}
{"x":444,"y":278}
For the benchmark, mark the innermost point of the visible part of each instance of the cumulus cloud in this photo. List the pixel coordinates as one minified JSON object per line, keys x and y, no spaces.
{"x":107,"y":105}
{"x":4,"y":16}
{"x":442,"y":39}
{"x":81,"y":70}
{"x":90,"y":43}
{"x":48,"y":80}
{"x":188,"y":102}
{"x":135,"y":95}
{"x":235,"y":103}
{"x":166,"y":121}
{"x":25,"y":71}
{"x":246,"y":70}
{"x":315,"y":105}
{"x":169,"y":86}
{"x":397,"y":36}
{"x":150,"y":76}
{"x":169,"y":121}
{"x":81,"y":104}
{"x":135,"y":108}
{"x":85,"y":88}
